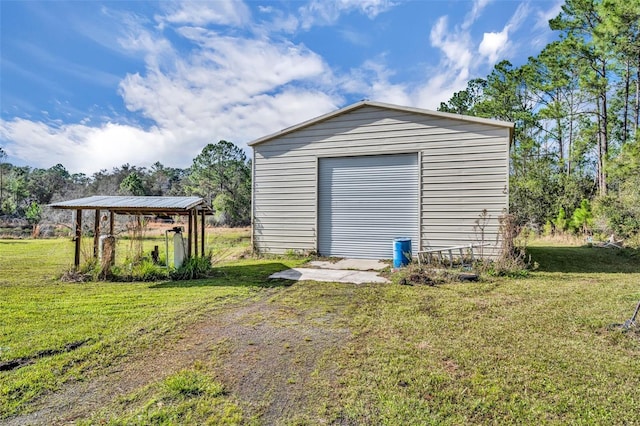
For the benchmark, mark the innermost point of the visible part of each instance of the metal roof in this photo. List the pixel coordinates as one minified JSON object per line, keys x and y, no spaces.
{"x":135,"y":205}
{"x":361,"y":104}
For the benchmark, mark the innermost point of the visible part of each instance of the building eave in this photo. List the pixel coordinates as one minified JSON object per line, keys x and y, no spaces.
{"x":361,"y":104}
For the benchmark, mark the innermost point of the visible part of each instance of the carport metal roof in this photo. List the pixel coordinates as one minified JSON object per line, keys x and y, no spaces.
{"x":137,"y":205}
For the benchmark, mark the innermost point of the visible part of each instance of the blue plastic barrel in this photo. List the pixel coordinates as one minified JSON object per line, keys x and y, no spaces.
{"x":401,"y":252}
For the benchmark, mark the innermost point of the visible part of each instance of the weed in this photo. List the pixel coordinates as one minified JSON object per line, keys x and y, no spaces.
{"x":187,"y":397}
{"x":147,"y":270}
{"x":188,"y":383}
{"x":194,"y":268}
{"x":512,"y":260}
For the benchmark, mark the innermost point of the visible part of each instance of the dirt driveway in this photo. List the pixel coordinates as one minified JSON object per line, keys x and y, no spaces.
{"x":264,"y":352}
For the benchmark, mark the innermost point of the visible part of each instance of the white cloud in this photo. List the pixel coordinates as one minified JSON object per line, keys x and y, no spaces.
{"x":223,"y":71}
{"x":357,"y":38}
{"x":233,"y":88}
{"x":372,"y":80}
{"x":202,"y":13}
{"x":80,"y":147}
{"x":327,"y":12}
{"x":543,"y":33}
{"x":455,"y":45}
{"x":496,"y":45}
{"x":242,"y":84}
{"x":544,"y":16}
{"x":493,"y":44}
{"x":519,"y":16}
{"x":476,"y":11}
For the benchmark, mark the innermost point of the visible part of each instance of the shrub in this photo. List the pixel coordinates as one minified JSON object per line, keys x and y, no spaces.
{"x":614,"y":217}
{"x":560,"y":222}
{"x":513,"y":260}
{"x":193,"y":268}
{"x":147,"y":270}
{"x":582,"y":219}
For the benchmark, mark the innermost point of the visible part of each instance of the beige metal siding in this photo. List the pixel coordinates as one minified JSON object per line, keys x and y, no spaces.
{"x":458,"y":183}
{"x":464,"y":169}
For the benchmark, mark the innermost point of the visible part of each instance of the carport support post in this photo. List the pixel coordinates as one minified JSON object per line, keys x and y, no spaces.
{"x":96,"y":233}
{"x":202,"y":213}
{"x":111,"y":222}
{"x":78,"y":238}
{"x":189,"y":231}
{"x":195,"y":232}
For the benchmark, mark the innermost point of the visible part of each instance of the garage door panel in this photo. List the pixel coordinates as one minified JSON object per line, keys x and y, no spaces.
{"x":365,"y":202}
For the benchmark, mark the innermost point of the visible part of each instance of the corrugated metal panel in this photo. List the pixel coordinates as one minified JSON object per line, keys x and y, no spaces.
{"x":365,"y":107}
{"x":106,"y":202}
{"x":365,"y":202}
{"x":457,"y":185}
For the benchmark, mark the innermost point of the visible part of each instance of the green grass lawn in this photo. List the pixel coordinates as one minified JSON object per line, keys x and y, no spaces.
{"x":534,"y":350}
{"x":39,"y":313}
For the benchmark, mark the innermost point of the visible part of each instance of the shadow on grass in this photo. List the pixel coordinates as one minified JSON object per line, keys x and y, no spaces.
{"x":256,"y":275}
{"x":585,"y":259}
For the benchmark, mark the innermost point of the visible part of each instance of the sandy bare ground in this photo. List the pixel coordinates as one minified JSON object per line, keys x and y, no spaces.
{"x":262,"y":351}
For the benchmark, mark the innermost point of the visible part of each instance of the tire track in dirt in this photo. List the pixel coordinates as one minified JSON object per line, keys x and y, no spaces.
{"x":263,"y":352}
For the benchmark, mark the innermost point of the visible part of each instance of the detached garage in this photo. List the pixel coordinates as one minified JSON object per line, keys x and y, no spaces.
{"x":347,"y":183}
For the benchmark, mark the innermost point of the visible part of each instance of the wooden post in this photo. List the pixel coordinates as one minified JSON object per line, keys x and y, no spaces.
{"x":111,"y":222}
{"x":202,"y":230}
{"x":96,"y":233}
{"x":190,"y":232}
{"x":195,"y":232}
{"x":78,"y":238}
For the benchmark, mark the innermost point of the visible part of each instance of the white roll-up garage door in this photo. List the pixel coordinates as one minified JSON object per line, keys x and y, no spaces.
{"x":365,"y":202}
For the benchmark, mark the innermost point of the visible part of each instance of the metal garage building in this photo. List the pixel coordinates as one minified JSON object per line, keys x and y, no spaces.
{"x":347,"y":183}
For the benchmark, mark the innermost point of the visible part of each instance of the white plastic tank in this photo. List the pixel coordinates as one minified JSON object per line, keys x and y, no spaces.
{"x":178,"y":250}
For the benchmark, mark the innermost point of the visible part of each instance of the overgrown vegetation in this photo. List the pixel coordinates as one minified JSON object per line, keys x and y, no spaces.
{"x":575,"y":158}
{"x":194,"y":268}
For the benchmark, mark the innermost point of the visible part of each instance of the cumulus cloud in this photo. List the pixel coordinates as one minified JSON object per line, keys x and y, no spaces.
{"x":240,"y":85}
{"x":224,"y":87}
{"x":493,"y":44}
{"x":80,"y":147}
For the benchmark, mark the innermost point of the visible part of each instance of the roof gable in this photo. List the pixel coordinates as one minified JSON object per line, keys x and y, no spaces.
{"x":391,"y":107}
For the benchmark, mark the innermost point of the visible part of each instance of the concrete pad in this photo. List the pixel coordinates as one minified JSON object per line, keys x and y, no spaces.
{"x":330,"y":275}
{"x":357,"y":264}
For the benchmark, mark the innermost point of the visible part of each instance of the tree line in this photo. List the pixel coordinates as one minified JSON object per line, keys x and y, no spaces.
{"x":221,"y":174}
{"x":575,"y":157}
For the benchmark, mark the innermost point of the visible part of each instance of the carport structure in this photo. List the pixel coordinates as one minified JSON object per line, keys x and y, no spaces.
{"x":194,"y":208}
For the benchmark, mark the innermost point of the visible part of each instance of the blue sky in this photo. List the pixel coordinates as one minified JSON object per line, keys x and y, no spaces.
{"x":94,"y":85}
